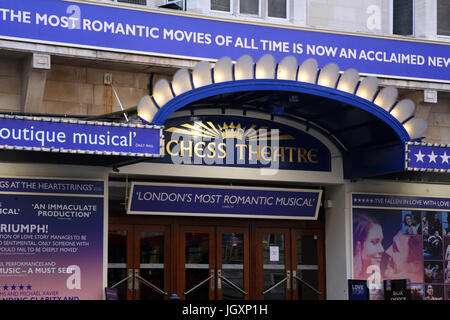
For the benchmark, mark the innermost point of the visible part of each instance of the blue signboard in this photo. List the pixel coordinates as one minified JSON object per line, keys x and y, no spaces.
{"x":357,"y":290}
{"x":400,"y":202}
{"x":29,"y":185}
{"x":235,"y":141}
{"x":428,"y":157}
{"x":131,"y":30}
{"x":164,"y":199}
{"x":61,"y":135}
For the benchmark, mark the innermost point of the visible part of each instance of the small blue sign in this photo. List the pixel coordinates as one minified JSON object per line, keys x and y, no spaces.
{"x":131,"y":30}
{"x":358,"y":290}
{"x":163,"y":199}
{"x":60,"y":135}
{"x":425,"y":157}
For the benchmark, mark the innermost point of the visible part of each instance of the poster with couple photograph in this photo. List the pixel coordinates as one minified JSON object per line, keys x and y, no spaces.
{"x":403,"y":237}
{"x":380,"y":242}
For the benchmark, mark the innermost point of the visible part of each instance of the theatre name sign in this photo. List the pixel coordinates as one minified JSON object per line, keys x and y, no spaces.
{"x":74,"y":136}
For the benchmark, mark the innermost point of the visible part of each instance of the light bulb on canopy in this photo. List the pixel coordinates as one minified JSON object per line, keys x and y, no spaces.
{"x":201,"y":75}
{"x":162,"y":92}
{"x":329,"y":75}
{"x":386,"y":98}
{"x":348,"y":81}
{"x":265,"y":67}
{"x":367,"y":88}
{"x":244,"y":68}
{"x":287,"y":68}
{"x":223,"y":70}
{"x":415,"y":127}
{"x":181,"y":81}
{"x":403,"y":110}
{"x":146,"y":108}
{"x":308,"y":71}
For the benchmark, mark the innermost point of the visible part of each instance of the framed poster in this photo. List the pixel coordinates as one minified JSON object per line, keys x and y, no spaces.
{"x":51,"y":239}
{"x":402,"y":237}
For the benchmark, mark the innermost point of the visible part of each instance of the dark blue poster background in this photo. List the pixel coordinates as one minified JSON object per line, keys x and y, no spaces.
{"x":51,"y":245}
{"x":163,"y":199}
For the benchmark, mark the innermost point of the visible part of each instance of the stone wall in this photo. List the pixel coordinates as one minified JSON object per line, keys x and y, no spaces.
{"x":79,"y":90}
{"x":10,"y":84}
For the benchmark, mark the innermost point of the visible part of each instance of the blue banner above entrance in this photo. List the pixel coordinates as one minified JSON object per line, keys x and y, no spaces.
{"x":120,"y":29}
{"x":189,"y":200}
{"x":242,"y":142}
{"x":82,"y":137}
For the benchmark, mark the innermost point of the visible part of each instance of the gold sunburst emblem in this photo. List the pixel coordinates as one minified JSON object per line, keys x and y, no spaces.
{"x":227,"y":130}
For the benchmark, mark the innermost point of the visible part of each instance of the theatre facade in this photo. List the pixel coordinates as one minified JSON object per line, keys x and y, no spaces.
{"x":152,"y":153}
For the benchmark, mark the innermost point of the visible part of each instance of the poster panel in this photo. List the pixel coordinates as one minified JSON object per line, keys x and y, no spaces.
{"x":402,"y":237}
{"x":51,"y":239}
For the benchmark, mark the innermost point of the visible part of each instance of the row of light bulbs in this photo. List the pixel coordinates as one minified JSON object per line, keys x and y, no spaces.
{"x":288,"y":69}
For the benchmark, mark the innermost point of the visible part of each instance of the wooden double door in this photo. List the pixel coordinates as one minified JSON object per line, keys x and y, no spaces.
{"x":212,"y":259}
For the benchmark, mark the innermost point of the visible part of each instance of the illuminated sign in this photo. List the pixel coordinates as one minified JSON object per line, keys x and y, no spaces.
{"x":242,"y":142}
{"x":427,"y":157}
{"x":75,"y":136}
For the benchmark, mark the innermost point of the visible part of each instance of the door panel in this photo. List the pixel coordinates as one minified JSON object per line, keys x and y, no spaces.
{"x":273,"y":262}
{"x":232,"y":264}
{"x":307,"y":273}
{"x":151,"y":273}
{"x":120,"y":260}
{"x":138,"y":261}
{"x":197,"y":263}
{"x":208,"y":261}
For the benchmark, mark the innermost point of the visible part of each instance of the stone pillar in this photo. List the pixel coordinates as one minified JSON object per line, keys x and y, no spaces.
{"x":425,"y":19}
{"x":34,"y":76}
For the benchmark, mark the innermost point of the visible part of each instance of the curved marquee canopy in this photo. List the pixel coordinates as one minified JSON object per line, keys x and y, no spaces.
{"x":365,"y":122}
